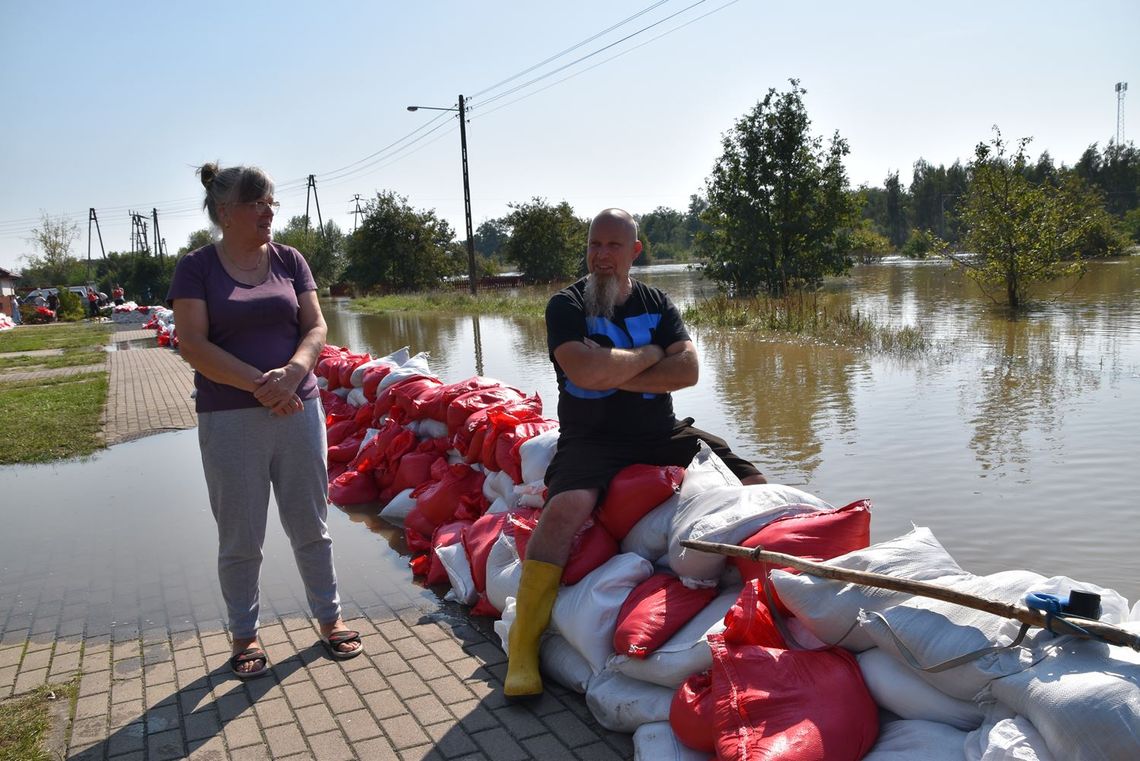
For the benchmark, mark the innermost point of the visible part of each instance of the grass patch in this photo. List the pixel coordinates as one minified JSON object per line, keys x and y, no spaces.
{"x":522,"y":303}
{"x":810,"y":315}
{"x":76,"y":358}
{"x":55,"y":336}
{"x":25,"y":722}
{"x":51,"y":419}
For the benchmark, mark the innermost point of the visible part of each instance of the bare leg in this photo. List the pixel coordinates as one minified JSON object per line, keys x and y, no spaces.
{"x":563,"y":515}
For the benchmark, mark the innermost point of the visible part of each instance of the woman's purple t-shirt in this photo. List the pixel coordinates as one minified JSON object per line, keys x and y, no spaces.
{"x":258,"y":324}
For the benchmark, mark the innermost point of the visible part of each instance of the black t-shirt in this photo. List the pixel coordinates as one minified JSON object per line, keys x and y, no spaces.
{"x":647,"y":316}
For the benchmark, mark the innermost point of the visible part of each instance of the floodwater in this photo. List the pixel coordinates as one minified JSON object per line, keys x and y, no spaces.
{"x":1011,"y":440}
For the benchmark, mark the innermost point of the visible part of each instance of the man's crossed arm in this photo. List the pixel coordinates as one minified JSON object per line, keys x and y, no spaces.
{"x":647,"y":369}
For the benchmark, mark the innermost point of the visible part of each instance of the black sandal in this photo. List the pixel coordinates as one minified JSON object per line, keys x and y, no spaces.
{"x":336,"y":639}
{"x":249,"y":655}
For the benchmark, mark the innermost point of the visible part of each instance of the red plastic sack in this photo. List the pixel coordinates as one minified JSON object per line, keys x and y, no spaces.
{"x":691,"y":713}
{"x":749,"y":621}
{"x":385,"y":398}
{"x":812,"y":536}
{"x":372,"y":377}
{"x":808,"y":705}
{"x":633,"y":493}
{"x":477,"y":542}
{"x":345,"y":451}
{"x":445,"y":536}
{"x":436,"y":407}
{"x":654,"y":611}
{"x":352,"y":361}
{"x":591,"y":546}
{"x":414,"y":470}
{"x":507,"y":457}
{"x":418,"y":531}
{"x":462,"y":406}
{"x":410,"y":397}
{"x":438,"y":500}
{"x":353,"y":488}
{"x":339,"y":431}
{"x":469,"y":439}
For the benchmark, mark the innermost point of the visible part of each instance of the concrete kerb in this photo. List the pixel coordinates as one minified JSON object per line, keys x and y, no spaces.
{"x":428,"y":687}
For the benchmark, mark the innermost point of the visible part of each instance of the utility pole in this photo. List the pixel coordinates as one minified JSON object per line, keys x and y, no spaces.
{"x":1121,"y":89}
{"x":92,"y":218}
{"x":157,"y":237}
{"x":312,"y":186}
{"x":357,"y":212}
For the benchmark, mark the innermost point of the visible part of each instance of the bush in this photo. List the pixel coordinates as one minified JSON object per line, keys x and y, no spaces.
{"x":71,"y":308}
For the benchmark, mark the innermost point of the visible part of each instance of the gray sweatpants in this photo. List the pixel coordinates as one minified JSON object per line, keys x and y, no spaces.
{"x":243,"y":452}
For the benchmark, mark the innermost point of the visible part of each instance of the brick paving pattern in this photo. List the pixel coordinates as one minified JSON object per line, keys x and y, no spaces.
{"x":140,"y":622}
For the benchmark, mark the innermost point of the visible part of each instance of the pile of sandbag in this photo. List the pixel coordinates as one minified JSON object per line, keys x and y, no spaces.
{"x":6,"y":322}
{"x":689,"y":651}
{"x":161,"y":321}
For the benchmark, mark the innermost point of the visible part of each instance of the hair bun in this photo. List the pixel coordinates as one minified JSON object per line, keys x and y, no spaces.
{"x":207,"y":172}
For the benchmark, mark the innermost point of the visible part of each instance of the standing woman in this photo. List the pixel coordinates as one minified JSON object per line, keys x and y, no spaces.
{"x":250,"y":325}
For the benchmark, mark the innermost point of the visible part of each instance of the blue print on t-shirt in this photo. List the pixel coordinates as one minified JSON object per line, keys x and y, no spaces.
{"x":638,"y":332}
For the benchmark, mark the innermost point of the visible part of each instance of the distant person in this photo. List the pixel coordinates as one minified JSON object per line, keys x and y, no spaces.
{"x":250,"y":325}
{"x":619,"y":348}
{"x":92,"y":303}
{"x":117,"y":294}
{"x":146,"y":296}
{"x":16,"y":311}
{"x":38,"y":299}
{"x":53,"y":301}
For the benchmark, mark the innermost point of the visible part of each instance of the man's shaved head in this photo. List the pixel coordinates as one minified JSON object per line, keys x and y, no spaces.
{"x":617,"y":215}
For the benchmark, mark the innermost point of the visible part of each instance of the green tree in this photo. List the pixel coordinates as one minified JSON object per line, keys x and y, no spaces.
{"x":52,"y":240}
{"x":778,"y":202}
{"x":197,"y":240}
{"x":397,"y":248}
{"x":867,"y":244}
{"x":897,"y":203}
{"x":1023,"y":232}
{"x":547,"y":242}
{"x":323,"y":248}
{"x":490,"y":237}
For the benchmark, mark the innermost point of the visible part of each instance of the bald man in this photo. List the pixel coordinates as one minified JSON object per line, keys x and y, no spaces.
{"x":619,"y":349}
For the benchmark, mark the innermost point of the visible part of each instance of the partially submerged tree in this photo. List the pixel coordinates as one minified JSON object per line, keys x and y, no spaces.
{"x":323,"y":248}
{"x":397,"y":248}
{"x":547,"y":242}
{"x":1024,"y":232}
{"x":779,"y":209}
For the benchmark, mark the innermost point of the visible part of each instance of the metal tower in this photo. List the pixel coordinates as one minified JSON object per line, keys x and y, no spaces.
{"x":1121,"y":88}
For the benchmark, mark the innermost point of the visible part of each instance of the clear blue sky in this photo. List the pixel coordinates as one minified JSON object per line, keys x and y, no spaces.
{"x":111,"y":105}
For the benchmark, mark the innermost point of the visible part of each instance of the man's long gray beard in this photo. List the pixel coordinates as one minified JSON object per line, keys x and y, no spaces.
{"x":601,"y":294}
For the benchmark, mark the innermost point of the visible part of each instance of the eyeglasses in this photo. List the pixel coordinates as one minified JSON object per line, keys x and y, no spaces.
{"x":260,"y":206}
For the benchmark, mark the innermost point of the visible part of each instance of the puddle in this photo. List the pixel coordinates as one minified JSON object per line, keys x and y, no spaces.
{"x":134,"y":343}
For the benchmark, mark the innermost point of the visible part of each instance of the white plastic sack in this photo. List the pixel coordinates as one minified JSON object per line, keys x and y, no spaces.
{"x":897,"y":688}
{"x":830,"y":609}
{"x":935,"y":631}
{"x":1113,"y":605}
{"x":504,"y":569}
{"x":356,"y":398}
{"x":531,"y":494}
{"x":416,"y":366}
{"x":397,"y":509}
{"x":498,"y":485}
{"x":918,"y":740}
{"x":1005,"y":736}
{"x":729,"y":514}
{"x":686,"y":653}
{"x":658,"y":742}
{"x":649,"y":537}
{"x":454,"y":560}
{"x":586,"y":613}
{"x":621,"y":704}
{"x":427,"y":428}
{"x":1083,"y":697}
{"x":536,"y":453}
{"x":393,"y":360}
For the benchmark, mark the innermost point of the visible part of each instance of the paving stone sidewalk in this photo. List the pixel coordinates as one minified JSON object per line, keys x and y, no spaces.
{"x":139,"y":623}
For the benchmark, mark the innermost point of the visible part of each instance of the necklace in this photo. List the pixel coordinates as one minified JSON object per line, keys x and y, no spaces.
{"x":232,"y":261}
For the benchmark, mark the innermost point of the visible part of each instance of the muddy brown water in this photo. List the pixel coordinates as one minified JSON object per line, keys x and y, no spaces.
{"x":1013,"y":440}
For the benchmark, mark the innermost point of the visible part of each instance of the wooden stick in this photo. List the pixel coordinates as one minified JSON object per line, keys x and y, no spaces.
{"x":1109,"y":633}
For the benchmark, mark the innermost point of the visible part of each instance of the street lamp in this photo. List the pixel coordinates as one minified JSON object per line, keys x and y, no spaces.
{"x":466,"y":185}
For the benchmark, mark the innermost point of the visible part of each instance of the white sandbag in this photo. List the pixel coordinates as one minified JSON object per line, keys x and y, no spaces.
{"x":454,"y":457}
{"x":658,"y":742}
{"x":397,"y":509}
{"x":454,"y":560}
{"x":899,"y":689}
{"x":342,"y":392}
{"x":1113,"y":605}
{"x":621,"y":704}
{"x":426,"y":428}
{"x":706,"y":471}
{"x":414,"y":367}
{"x":322,"y":383}
{"x":565,"y":665}
{"x":502,"y":627}
{"x":1083,"y":697}
{"x":393,"y":360}
{"x":729,"y":514}
{"x":499,"y":506}
{"x":356,"y":398}
{"x":830,"y":609}
{"x":498,"y":485}
{"x":1005,"y":736}
{"x":536,"y":453}
{"x":935,"y":631}
{"x":504,"y":569}
{"x":918,"y":740}
{"x":649,"y":537}
{"x":586,"y":613}
{"x":531,"y":494}
{"x":686,"y":653}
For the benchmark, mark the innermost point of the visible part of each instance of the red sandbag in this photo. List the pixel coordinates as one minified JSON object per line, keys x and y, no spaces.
{"x":352,"y":361}
{"x":469,"y":439}
{"x":353,"y":488}
{"x":634,"y":492}
{"x":462,"y":406}
{"x":420,"y":564}
{"x":436,"y":407}
{"x":807,"y":705}
{"x":812,"y":536}
{"x":691,"y":713}
{"x":418,"y":530}
{"x":385,"y":398}
{"x":445,"y":536}
{"x":654,"y":611}
{"x":410,"y":396}
{"x":438,"y":500}
{"x":372,"y":377}
{"x":336,"y":409}
{"x":507,"y":457}
{"x":477,"y":541}
{"x":345,"y":451}
{"x":500,"y":423}
{"x":414,"y":470}
{"x":335,"y":469}
{"x":363,"y":417}
{"x":749,"y":621}
{"x":339,"y":431}
{"x":591,"y":546}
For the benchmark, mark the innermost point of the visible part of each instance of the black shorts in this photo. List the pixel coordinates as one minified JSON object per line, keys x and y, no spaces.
{"x":583,"y":462}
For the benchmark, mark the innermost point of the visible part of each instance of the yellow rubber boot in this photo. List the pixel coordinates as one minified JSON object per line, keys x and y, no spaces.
{"x":537,"y":589}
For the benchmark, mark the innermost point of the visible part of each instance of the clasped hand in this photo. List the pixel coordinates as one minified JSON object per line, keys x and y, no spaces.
{"x":277,"y":390}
